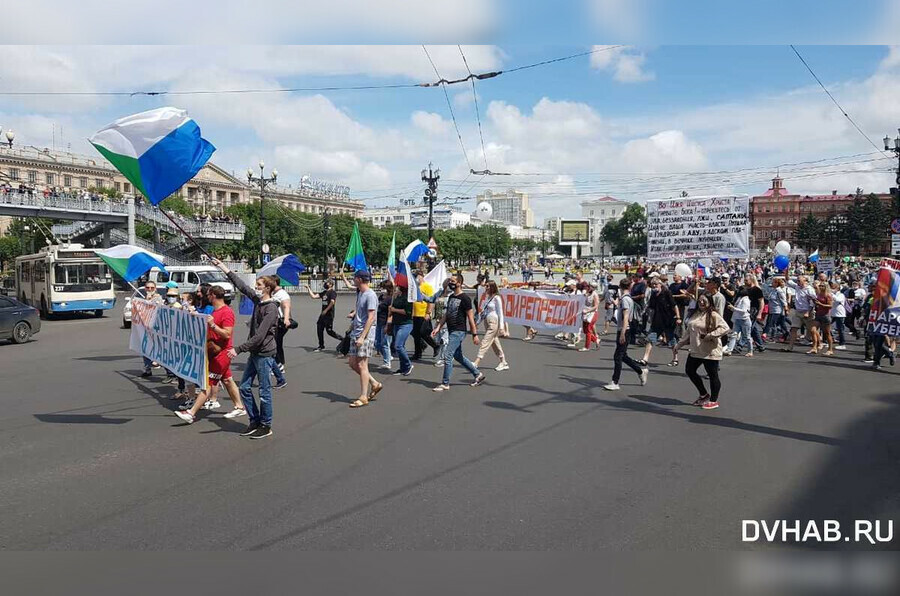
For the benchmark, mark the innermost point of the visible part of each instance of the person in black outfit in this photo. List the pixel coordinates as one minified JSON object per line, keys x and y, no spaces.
{"x":325,"y":323}
{"x":421,"y":331}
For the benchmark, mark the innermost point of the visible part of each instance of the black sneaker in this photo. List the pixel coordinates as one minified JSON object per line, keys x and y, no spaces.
{"x":251,"y":428}
{"x":262,"y":432}
{"x":281,"y":385}
{"x":146,"y":374}
{"x":478,"y":380}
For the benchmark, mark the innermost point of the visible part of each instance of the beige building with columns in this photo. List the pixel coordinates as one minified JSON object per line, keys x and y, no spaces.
{"x":212,"y":190}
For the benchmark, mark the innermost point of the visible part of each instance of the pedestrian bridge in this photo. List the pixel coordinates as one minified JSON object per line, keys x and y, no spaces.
{"x":104,"y":213}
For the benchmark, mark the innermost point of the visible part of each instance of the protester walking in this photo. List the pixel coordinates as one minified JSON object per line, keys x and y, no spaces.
{"x":838,"y":314}
{"x":822,"y":329}
{"x":382,"y":340}
{"x":261,"y":347}
{"x":623,"y":319}
{"x":362,"y":338}
{"x":703,"y":332}
{"x":495,"y":326}
{"x":150,"y":294}
{"x":285,"y":324}
{"x":589,"y":317}
{"x":459,"y":319}
{"x":325,"y":322}
{"x":401,"y":323}
{"x":421,"y":330}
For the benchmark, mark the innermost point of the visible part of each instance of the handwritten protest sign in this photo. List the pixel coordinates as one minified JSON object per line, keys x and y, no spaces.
{"x":884,"y":317}
{"x":695,"y":227}
{"x":541,"y":310}
{"x":174,"y":338}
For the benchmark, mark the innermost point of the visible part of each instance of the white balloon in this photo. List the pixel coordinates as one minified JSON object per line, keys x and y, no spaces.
{"x":683,"y":269}
{"x":783,"y":247}
{"x":484,"y":211}
{"x":432,"y":253}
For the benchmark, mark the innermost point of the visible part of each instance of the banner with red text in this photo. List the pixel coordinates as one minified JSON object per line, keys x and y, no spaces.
{"x":552,"y":311}
{"x":884,"y":317}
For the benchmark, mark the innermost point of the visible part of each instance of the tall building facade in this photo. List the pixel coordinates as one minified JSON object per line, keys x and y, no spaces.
{"x":775,"y":214}
{"x":510,"y":207}
{"x":601,"y":211}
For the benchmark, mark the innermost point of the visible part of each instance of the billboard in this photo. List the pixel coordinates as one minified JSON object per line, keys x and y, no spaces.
{"x":574,"y":231}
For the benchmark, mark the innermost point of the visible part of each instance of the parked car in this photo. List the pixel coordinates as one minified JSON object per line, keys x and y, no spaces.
{"x":18,"y":321}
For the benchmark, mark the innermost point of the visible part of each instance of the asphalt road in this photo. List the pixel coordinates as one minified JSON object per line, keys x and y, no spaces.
{"x":540,"y":457}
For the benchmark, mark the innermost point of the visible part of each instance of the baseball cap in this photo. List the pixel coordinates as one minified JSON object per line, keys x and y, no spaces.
{"x":171,"y":284}
{"x":362,"y":275}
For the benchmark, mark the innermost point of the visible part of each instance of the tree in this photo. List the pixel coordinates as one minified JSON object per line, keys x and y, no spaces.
{"x":810,"y":232}
{"x":876,"y":222}
{"x":10,"y":248}
{"x":628,"y":234}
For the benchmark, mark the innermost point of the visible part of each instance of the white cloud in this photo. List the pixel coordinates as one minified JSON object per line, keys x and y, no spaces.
{"x":430,"y":123}
{"x":626,"y":64}
{"x":623,"y":20}
{"x":665,"y":151}
{"x":263,"y":21}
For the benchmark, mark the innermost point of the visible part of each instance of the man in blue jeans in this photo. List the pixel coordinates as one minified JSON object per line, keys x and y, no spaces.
{"x":457,"y":316}
{"x":261,"y":346}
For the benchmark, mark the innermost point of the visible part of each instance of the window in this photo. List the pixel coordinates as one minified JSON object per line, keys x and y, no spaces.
{"x":32,"y":176}
{"x":192,"y":278}
{"x":127,"y":187}
{"x":82,"y":182}
{"x":51,"y":179}
{"x":6,"y":302}
{"x":83,"y":273}
{"x":14,"y":173}
{"x":98,"y":182}
{"x":118,"y":187}
{"x":603,"y":212}
{"x":177,"y":277}
{"x":67,"y":180}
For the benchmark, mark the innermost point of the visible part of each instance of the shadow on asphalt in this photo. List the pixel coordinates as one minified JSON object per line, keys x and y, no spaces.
{"x":109,"y":358}
{"x":857,"y":481}
{"x":80,"y":419}
{"x":652,"y":405}
{"x":330,"y":396}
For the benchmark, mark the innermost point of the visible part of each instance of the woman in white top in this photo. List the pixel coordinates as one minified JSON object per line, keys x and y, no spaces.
{"x":492,"y":315}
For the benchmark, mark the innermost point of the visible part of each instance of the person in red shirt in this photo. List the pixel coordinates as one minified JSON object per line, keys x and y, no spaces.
{"x":219,"y":339}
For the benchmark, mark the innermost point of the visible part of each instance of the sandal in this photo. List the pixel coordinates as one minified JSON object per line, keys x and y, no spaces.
{"x":642,"y":362}
{"x":673,"y":363}
{"x":359,"y":403}
{"x":374,"y":391}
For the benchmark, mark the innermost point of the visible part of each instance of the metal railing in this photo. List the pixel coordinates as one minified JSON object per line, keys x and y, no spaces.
{"x":62,"y":202}
{"x":196,"y":228}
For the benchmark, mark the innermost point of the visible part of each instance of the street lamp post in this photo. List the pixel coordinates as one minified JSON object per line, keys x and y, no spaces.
{"x":895,"y":192}
{"x":431,"y":177}
{"x":10,"y":135}
{"x":263,"y":183}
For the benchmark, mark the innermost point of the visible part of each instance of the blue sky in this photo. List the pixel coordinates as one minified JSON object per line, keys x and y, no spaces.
{"x":636,"y":122}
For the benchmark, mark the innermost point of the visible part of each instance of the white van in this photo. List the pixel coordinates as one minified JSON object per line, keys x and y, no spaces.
{"x":188,"y":277}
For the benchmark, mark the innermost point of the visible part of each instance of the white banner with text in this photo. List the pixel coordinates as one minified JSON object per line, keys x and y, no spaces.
{"x":173,"y":337}
{"x":698,"y":227}
{"x":551,"y":311}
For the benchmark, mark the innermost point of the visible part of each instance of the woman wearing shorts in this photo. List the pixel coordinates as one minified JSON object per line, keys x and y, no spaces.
{"x":822,"y":327}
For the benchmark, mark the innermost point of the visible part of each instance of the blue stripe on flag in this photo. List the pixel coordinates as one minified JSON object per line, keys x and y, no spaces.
{"x":140,"y":263}
{"x":173,"y":160}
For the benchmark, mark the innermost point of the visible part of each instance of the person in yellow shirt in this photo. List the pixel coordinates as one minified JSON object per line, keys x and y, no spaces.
{"x":421,"y":331}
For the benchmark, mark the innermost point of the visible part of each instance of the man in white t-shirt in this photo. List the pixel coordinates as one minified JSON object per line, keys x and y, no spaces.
{"x":283,"y":299}
{"x":838,"y":314}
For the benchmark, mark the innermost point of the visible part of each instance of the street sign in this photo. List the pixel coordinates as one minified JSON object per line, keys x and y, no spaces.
{"x":895,"y":244}
{"x":432,"y":244}
{"x":895,"y":226}
{"x":265,"y":248}
{"x":266,"y":258}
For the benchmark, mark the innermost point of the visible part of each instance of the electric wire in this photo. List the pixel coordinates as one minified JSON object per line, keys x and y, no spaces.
{"x":449,"y":107}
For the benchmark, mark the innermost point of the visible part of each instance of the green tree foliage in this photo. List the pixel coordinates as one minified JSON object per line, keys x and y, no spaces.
{"x":9,"y":250}
{"x":875,"y":224}
{"x":810,"y":232}
{"x":628,"y":234}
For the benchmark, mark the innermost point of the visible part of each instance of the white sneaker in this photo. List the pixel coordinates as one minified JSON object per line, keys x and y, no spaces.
{"x":502,"y":366}
{"x":235,"y":413}
{"x":186,"y":417}
{"x":840,"y":347}
{"x":442,"y":388}
{"x":583,"y":349}
{"x":211,"y":405}
{"x":438,"y":363}
{"x":644,"y":374}
{"x":611,"y":386}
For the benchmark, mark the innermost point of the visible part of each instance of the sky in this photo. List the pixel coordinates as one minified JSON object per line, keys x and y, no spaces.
{"x":636,"y":122}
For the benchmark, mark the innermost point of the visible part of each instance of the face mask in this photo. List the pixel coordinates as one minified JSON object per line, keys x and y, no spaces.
{"x":170,"y":299}
{"x":259,"y":293}
{"x":452,"y":287}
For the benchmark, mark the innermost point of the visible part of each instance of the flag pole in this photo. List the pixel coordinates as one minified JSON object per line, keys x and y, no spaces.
{"x":189,"y":237}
